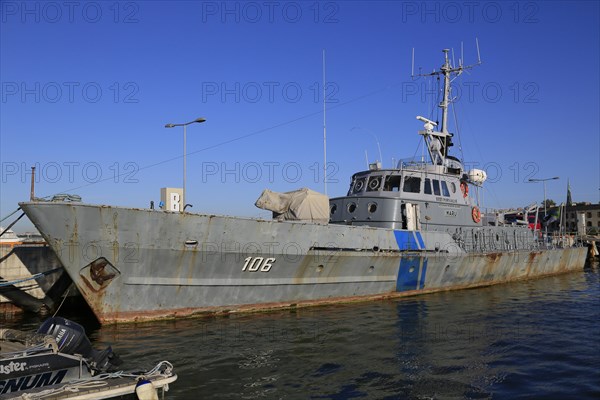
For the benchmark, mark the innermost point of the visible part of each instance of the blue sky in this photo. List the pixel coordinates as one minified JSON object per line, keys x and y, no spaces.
{"x":87,"y":88}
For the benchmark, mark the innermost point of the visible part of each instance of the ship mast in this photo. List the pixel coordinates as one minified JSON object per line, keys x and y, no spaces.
{"x":447,"y":70}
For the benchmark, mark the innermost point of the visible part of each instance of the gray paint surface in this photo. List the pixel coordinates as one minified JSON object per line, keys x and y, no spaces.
{"x":156,"y":264}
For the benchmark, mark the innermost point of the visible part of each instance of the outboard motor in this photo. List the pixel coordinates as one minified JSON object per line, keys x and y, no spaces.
{"x":71,"y":339}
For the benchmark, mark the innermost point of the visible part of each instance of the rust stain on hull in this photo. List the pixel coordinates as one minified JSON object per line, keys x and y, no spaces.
{"x":161,"y":279}
{"x":199,"y":312}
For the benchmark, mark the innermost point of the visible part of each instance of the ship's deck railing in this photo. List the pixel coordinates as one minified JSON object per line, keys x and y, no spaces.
{"x":419,"y":165}
{"x":545,"y":239}
{"x":412,"y":163}
{"x":511,"y":238}
{"x":491,"y":211}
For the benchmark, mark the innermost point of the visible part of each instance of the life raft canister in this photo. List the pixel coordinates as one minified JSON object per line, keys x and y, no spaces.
{"x":464,"y":189}
{"x":476,"y":214}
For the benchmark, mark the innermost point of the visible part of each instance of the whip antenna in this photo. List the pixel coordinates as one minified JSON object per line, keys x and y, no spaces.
{"x":324,"y":130}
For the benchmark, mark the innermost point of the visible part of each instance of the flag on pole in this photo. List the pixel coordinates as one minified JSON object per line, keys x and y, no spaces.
{"x":569,"y":199}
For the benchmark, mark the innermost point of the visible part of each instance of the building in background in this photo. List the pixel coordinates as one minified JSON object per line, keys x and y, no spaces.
{"x":586,"y":214}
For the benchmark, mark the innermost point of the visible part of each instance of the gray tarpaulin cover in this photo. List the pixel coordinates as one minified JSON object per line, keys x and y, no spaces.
{"x":299,"y":205}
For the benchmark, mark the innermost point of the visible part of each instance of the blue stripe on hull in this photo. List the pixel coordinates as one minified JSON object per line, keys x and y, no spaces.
{"x":411,"y":274}
{"x":409,"y":240}
{"x":423,"y":273}
{"x":420,"y":240}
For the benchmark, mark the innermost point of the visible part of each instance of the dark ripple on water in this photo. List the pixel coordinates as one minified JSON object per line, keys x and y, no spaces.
{"x":535,"y":339}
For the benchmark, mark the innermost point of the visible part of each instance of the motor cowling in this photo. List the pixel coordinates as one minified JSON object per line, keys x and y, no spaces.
{"x":71,"y":339}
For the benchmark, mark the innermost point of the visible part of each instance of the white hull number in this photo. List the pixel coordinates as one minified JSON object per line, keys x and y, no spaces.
{"x":253,"y":264}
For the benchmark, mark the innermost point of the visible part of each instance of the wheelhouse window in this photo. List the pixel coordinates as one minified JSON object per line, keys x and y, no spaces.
{"x":427,"y":186}
{"x":445,"y":190}
{"x":392,"y":183}
{"x":359,"y":185}
{"x":436,"y":187}
{"x":412,"y":184}
{"x":374,"y":183}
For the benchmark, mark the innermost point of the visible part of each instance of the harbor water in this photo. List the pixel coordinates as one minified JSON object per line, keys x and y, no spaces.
{"x":528,"y":339}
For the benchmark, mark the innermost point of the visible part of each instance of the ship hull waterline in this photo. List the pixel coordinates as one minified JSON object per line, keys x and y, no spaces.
{"x":137,"y":265}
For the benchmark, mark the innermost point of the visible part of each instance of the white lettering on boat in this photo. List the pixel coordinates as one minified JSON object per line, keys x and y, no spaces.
{"x":253,"y":264}
{"x":12,"y":366}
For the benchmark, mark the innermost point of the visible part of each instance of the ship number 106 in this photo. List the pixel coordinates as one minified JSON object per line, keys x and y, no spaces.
{"x":254,"y":264}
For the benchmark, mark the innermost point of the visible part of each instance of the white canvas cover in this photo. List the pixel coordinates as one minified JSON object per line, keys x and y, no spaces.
{"x":299,"y":205}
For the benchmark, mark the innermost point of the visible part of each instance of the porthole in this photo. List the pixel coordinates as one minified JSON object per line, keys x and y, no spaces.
{"x":333,"y":209}
{"x":372,"y":207}
{"x":351,"y":208}
{"x":453,"y":187}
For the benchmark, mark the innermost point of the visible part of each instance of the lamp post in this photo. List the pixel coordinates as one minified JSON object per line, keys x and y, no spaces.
{"x":543,"y":180}
{"x":198,"y":120}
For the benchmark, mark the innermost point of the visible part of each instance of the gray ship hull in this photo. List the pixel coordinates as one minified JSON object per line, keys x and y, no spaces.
{"x":136,"y":264}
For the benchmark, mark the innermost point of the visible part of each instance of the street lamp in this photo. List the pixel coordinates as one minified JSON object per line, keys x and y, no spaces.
{"x":543,"y":180}
{"x":198,"y":120}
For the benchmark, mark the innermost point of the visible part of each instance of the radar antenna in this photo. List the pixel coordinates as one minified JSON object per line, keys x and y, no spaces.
{"x":447,"y":70}
{"x":438,"y":142}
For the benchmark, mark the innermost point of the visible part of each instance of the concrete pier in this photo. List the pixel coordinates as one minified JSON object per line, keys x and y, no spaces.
{"x":19,"y":263}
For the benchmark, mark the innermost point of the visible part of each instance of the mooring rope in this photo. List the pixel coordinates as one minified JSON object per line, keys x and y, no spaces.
{"x":11,"y":225}
{"x":14,"y":212}
{"x":36,"y":276}
{"x":163,"y":368}
{"x":62,"y":302}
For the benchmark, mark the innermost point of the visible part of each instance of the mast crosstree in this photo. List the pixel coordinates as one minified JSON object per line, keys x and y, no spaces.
{"x":438,"y":142}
